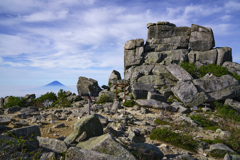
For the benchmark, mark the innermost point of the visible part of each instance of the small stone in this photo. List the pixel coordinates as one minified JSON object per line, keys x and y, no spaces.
{"x":49,"y":130}
{"x":59,"y":125}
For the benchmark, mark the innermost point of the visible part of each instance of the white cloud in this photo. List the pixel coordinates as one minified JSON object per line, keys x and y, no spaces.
{"x":221,"y":29}
{"x":232,"y":6}
{"x":46,"y":16}
{"x":226,"y":17}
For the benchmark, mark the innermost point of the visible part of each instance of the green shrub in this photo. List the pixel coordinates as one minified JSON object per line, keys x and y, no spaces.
{"x":129,"y":103}
{"x":51,"y":96}
{"x":15,"y":101}
{"x":103,"y":99}
{"x":160,"y":122}
{"x":207,"y":124}
{"x":209,"y":141}
{"x":236,"y":76}
{"x":213,"y":68}
{"x":190,"y":68}
{"x":226,"y":111}
{"x":178,"y":139}
{"x":61,"y":94}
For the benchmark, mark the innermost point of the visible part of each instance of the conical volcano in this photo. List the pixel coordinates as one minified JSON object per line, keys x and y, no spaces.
{"x":54,"y":84}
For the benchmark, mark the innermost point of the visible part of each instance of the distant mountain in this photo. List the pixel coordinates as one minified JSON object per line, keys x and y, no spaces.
{"x":54,"y":86}
{"x":54,"y":83}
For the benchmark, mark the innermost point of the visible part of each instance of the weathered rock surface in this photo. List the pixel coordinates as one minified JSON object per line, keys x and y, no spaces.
{"x":220,"y":149}
{"x":203,"y":57}
{"x":218,"y":88}
{"x":231,"y":157}
{"x":133,"y":53}
{"x":178,"y":72}
{"x":106,"y":144}
{"x":156,"y":96}
{"x":12,"y":109}
{"x":29,"y":99}
{"x":147,"y":150}
{"x":5,"y":120}
{"x":140,"y":90}
{"x":234,"y":104}
{"x":224,"y":54}
{"x":151,"y":103}
{"x":115,"y":76}
{"x":232,"y":67}
{"x":201,"y":38}
{"x":26,"y":132}
{"x":188,"y":93}
{"x":52,"y":144}
{"x":86,"y":85}
{"x":90,"y":124}
{"x":75,"y":153}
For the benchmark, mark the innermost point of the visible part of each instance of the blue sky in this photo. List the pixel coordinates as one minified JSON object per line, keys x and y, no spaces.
{"x":45,"y":40}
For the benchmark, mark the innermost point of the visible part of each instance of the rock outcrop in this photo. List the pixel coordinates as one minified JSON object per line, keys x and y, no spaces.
{"x":86,"y":85}
{"x":166,"y":44}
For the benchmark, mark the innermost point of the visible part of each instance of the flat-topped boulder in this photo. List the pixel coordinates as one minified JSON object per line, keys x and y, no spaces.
{"x":201,"y":38}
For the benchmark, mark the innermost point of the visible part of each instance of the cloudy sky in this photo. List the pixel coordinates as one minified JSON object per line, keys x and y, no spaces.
{"x":45,"y":40}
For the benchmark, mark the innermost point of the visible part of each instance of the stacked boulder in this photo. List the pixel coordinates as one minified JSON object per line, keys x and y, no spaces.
{"x":155,"y":63}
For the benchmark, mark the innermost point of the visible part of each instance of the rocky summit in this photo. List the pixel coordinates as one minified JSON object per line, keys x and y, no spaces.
{"x":179,"y":99}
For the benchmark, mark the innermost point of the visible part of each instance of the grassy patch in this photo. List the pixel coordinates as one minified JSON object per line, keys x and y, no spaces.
{"x":129,"y":103}
{"x":178,"y":139}
{"x":209,"y":141}
{"x":207,"y":124}
{"x":103,"y":99}
{"x":160,"y":122}
{"x":226,"y":111}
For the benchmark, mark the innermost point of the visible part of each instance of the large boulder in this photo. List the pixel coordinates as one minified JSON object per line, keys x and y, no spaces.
{"x":29,"y":99}
{"x":133,"y":53}
{"x":153,"y":80}
{"x":201,"y":38}
{"x":152,"y":103}
{"x":147,"y":151}
{"x":86,"y":85}
{"x":75,"y":153}
{"x":218,"y":88}
{"x":91,"y":124}
{"x":52,"y":144}
{"x":224,"y":54}
{"x":106,"y":144}
{"x":5,"y":120}
{"x":203,"y":57}
{"x":232,"y":67}
{"x":174,"y":56}
{"x":26,"y":132}
{"x":140,"y":90}
{"x":162,"y":30}
{"x":11,"y":110}
{"x":188,"y":93}
{"x":219,"y":150}
{"x":234,"y":104}
{"x":178,"y":72}
{"x":153,"y":57}
{"x":164,"y":44}
{"x":139,"y":71}
{"x":114,"y":77}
